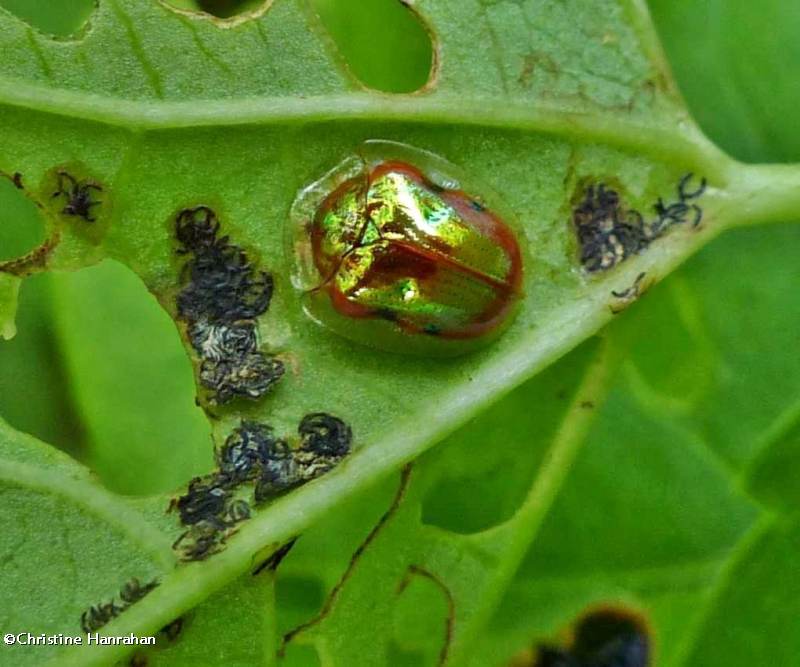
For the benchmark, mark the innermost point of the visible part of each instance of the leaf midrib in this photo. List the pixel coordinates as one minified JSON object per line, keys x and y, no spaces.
{"x":682,"y":142}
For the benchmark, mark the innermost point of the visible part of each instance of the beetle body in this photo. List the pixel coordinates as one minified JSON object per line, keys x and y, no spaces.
{"x":397,"y":256}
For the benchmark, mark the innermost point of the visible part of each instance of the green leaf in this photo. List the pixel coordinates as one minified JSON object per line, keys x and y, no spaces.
{"x":61,"y":19}
{"x":637,"y":472}
{"x":232,"y":627}
{"x":9,"y":290}
{"x":240,"y":114}
{"x":93,"y":543}
{"x":144,"y":436}
{"x":744,"y":111}
{"x":33,"y":391}
{"x":452,"y":525}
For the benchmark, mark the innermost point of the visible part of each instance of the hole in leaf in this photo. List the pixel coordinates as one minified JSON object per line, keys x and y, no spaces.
{"x":470,"y":504}
{"x":131,"y":380}
{"x":223,"y":9}
{"x":34,"y":392}
{"x":608,"y":636}
{"x":484,"y":484}
{"x":226,"y":8}
{"x":21,"y":225}
{"x":383,"y":42}
{"x":675,"y":382}
{"x":61,"y":19}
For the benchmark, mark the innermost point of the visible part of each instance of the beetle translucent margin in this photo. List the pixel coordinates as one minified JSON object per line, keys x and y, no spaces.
{"x":397,"y":249}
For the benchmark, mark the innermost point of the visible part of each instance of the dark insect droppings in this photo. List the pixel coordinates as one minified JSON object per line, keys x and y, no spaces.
{"x":78,"y":196}
{"x":608,"y":233}
{"x":202,"y":540}
{"x":248,"y":376}
{"x":223,"y":285}
{"x":325,"y":435}
{"x":134,"y":590}
{"x":196,"y":229}
{"x":223,"y":297}
{"x":204,"y":499}
{"x":279,"y":471}
{"x":98,"y":615}
{"x":325,"y":442}
{"x":253,"y":453}
{"x":239,"y":458}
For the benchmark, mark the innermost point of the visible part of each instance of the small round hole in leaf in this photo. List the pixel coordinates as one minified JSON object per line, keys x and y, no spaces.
{"x":223,"y":9}
{"x":60,"y":19}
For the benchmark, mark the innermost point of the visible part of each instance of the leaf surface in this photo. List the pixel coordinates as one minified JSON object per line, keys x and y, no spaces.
{"x":527,"y":97}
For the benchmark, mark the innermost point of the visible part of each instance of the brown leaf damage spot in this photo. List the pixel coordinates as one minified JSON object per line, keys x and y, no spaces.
{"x":537,"y":61}
{"x":33,"y":262}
